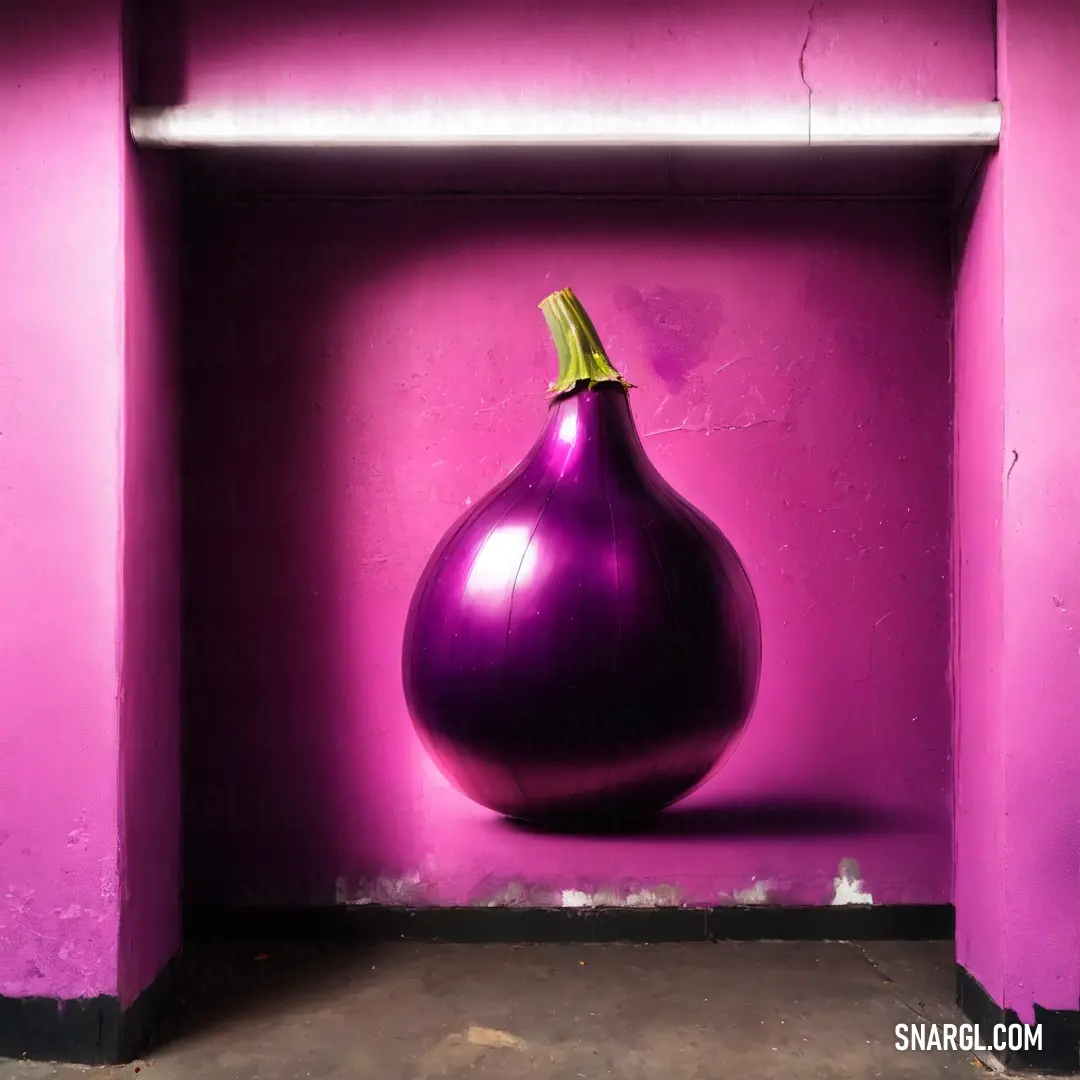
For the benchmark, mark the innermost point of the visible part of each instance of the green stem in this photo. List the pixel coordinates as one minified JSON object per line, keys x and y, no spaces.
{"x":581,"y":355}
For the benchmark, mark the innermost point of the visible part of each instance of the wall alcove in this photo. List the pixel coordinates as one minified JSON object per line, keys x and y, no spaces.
{"x":766,"y":242}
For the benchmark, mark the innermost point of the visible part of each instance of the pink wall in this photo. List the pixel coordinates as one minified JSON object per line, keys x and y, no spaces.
{"x":1041,"y":188}
{"x":150,"y":583}
{"x":350,"y":388}
{"x":1042,"y":253}
{"x":150,"y":922}
{"x":979,"y":628}
{"x":338,"y":50}
{"x":88,"y":552}
{"x":1018,"y":380}
{"x":60,"y":395}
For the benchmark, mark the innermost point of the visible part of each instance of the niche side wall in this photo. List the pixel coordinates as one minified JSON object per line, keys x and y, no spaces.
{"x":89,"y":552}
{"x":357,"y":373}
{"x":1018,"y":865}
{"x":60,"y":387}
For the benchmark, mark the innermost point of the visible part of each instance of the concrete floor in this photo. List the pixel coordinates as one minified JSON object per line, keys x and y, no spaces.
{"x":409,"y":1011}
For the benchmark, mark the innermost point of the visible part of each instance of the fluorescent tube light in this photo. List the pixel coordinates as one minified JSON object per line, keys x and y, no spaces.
{"x":447,"y":125}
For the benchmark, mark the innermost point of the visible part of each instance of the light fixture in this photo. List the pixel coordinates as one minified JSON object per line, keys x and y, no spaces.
{"x":441,"y":124}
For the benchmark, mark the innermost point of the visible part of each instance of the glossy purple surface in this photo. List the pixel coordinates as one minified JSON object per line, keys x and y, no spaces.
{"x":582,"y":641}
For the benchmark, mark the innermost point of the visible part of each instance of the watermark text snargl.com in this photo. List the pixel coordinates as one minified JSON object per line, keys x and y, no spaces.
{"x":998,"y":1039}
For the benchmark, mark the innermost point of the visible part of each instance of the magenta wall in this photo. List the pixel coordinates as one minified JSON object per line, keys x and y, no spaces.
{"x":149,"y":696}
{"x":341,"y":50}
{"x":1022,"y":923}
{"x":88,"y":554}
{"x":1041,"y":187}
{"x":978,"y":629}
{"x":357,"y":373}
{"x":60,"y":395}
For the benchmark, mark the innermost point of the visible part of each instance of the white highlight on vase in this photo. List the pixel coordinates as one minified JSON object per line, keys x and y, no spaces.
{"x":506,"y":558}
{"x":568,"y":429}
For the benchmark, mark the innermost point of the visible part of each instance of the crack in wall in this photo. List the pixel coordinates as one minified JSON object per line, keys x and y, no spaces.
{"x":870,"y":655}
{"x":1008,"y":475}
{"x":802,"y":72}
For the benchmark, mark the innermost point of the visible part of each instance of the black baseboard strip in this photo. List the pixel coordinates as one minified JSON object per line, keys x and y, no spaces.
{"x":520,"y":925}
{"x":86,"y":1031}
{"x":1059,"y":1053}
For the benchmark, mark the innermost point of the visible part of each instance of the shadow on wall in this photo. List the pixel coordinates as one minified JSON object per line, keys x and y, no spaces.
{"x":746,"y":818}
{"x":270,"y":694}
